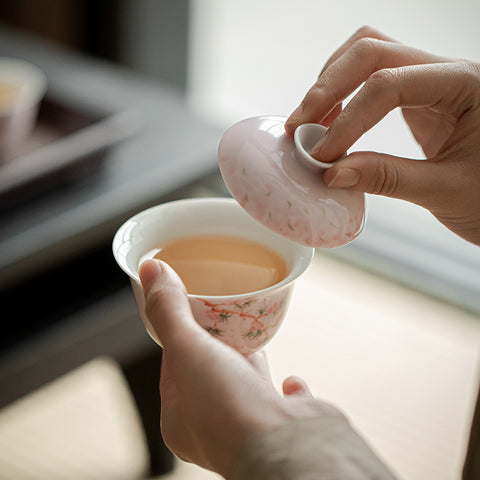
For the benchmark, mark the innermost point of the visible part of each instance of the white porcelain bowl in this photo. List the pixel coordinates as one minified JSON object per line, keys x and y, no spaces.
{"x":247,"y":321}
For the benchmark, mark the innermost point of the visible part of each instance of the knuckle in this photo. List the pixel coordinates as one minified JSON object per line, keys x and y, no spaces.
{"x":475,"y":70}
{"x":367,"y":51}
{"x":365,"y":47}
{"x":366,"y":31}
{"x":467,"y":93}
{"x":471,"y":70}
{"x":384,"y":180}
{"x":321,"y":94}
{"x":315,"y":93}
{"x":384,"y":84}
{"x":382,"y":78}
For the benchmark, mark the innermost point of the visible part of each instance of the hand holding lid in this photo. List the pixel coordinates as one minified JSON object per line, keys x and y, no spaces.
{"x":278,"y":183}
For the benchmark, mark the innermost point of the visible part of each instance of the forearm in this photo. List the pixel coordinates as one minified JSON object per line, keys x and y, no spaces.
{"x":321,"y":448}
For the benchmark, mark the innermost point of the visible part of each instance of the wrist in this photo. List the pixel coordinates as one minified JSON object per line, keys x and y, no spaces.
{"x":242,"y":431}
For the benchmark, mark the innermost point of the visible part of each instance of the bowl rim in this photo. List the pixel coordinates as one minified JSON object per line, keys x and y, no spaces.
{"x":298,"y":268}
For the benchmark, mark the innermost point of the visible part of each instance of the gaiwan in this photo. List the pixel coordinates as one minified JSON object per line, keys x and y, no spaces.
{"x":273,"y":177}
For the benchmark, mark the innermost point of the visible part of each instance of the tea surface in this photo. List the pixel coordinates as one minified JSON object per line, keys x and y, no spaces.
{"x":221,"y":265}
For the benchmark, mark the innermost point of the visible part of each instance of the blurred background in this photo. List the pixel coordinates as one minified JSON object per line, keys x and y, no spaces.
{"x":139,"y":93}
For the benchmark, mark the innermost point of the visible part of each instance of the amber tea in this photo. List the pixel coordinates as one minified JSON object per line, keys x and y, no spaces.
{"x":222,"y":265}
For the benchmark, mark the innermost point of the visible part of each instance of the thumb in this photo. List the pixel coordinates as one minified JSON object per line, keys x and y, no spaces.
{"x":418,"y":181}
{"x":296,"y":386}
{"x":166,"y":303}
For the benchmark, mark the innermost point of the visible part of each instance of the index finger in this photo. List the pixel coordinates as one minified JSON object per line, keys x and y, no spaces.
{"x":298,"y":116}
{"x":363,"y":58}
{"x":364,"y":32}
{"x":407,"y":87}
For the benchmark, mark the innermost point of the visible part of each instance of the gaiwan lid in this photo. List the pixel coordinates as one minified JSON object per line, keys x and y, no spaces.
{"x":273,"y":177}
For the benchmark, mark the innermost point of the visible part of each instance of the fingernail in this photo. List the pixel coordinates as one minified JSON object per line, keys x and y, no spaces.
{"x":345,"y":177}
{"x":149,"y":271}
{"x":318,"y":147}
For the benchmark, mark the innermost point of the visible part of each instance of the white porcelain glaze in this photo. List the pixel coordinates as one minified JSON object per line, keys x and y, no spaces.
{"x":281,"y":185}
{"x":306,"y":136}
{"x":246,"y":322}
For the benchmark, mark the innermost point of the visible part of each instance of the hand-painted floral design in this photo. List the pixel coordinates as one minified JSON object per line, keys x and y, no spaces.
{"x":245,"y":324}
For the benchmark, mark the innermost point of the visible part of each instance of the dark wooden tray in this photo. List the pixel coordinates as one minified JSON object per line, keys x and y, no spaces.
{"x":67,"y":142}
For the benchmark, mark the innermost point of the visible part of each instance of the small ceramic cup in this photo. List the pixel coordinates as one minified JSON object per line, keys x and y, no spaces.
{"x":246,"y":322}
{"x":22,"y":87}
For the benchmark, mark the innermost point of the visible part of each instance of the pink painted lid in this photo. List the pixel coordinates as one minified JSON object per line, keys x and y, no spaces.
{"x":279,"y":184}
